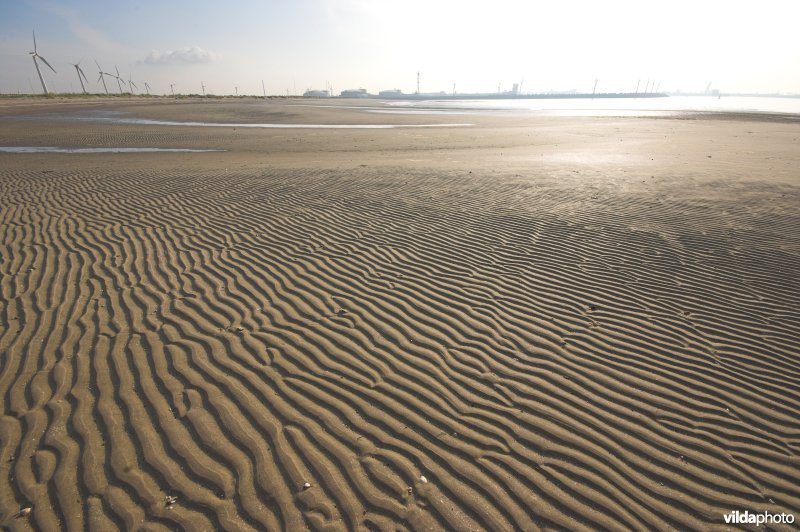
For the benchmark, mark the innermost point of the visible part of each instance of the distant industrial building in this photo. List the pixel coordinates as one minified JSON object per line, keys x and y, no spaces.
{"x":312,"y":93}
{"x":354,"y":93}
{"x":391,"y":93}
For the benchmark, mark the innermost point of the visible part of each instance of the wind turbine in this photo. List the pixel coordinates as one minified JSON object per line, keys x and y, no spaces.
{"x":204,"y":88}
{"x":35,"y":56}
{"x":101,"y":78}
{"x":81,"y":75}
{"x":131,"y":84}
{"x":147,"y":88}
{"x":172,"y":88}
{"x":120,"y":81}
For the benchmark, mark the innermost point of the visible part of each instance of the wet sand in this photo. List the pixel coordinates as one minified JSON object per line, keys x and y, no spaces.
{"x":557,"y":323}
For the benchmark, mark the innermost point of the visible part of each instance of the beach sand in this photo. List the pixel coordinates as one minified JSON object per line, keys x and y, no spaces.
{"x":532,"y":322}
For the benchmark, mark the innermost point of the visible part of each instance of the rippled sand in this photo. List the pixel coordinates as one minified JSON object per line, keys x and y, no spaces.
{"x":529,"y":323}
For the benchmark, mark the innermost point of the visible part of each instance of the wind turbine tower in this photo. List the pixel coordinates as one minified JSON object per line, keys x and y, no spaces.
{"x":36,"y":56}
{"x":147,"y":88}
{"x":202,"y":85}
{"x":417,"y":82}
{"x":119,"y":80}
{"x":81,"y":75}
{"x":172,"y":88}
{"x":131,"y":84}
{"x":101,"y":78}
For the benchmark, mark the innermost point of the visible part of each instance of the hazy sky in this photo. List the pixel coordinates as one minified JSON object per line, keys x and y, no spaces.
{"x":381,"y":44}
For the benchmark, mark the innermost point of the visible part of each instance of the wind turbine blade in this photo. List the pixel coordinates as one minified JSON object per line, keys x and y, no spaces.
{"x":80,"y":71}
{"x":98,"y":65}
{"x":115,"y":68}
{"x":34,"y":42}
{"x":45,"y":62}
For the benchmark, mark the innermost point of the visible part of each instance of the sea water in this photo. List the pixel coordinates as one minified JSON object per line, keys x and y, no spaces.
{"x":651,"y":106}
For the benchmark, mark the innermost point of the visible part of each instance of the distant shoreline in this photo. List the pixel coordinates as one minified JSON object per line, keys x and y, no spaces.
{"x":418,"y":97}
{"x":491,"y":96}
{"x":672,"y":105}
{"x":422,"y":96}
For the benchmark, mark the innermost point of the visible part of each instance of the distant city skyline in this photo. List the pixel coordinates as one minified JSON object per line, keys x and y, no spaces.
{"x":222,"y":48}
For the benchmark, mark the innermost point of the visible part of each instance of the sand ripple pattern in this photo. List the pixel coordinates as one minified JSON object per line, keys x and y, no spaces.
{"x":547,"y":356}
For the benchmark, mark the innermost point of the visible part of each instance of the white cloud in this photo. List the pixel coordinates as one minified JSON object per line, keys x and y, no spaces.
{"x":192,"y":54}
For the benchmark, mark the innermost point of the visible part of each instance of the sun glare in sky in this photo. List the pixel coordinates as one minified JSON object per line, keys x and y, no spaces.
{"x":378,"y":44}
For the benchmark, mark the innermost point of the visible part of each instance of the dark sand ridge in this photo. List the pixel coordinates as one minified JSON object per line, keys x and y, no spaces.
{"x":596,"y":328}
